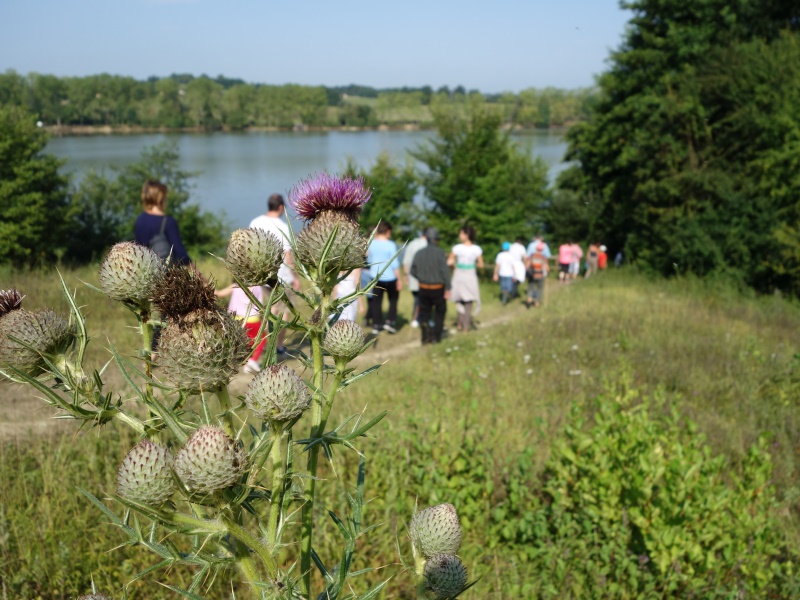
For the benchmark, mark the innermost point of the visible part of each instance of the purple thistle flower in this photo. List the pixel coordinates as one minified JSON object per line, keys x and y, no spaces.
{"x":323,"y":192}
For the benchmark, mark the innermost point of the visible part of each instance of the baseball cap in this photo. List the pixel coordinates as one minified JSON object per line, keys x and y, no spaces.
{"x":506,"y":245}
{"x":603,"y":248}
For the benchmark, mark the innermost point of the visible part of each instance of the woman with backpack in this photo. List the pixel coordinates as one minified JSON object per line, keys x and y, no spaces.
{"x":157,"y":230}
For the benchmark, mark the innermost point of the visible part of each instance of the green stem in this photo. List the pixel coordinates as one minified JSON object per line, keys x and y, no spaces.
{"x":307,"y":515}
{"x":278,"y":486}
{"x":132,"y":422}
{"x":225,"y":404}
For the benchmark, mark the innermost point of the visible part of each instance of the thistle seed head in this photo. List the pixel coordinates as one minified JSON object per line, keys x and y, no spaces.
{"x":436,"y":530}
{"x":44,"y":331}
{"x":179,"y":291}
{"x":445,"y":575}
{"x":277,"y":394}
{"x":129,"y":272}
{"x":9,"y":300}
{"x":145,"y":474}
{"x":210,"y":461}
{"x":323,"y":192}
{"x":203,"y":350}
{"x":254,"y":256}
{"x":347,"y":252}
{"x":344,"y":340}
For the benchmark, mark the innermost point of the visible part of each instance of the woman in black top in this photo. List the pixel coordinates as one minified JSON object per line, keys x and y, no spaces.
{"x":149,"y":224}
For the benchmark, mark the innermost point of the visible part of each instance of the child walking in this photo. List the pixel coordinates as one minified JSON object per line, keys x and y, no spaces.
{"x":241,"y":306}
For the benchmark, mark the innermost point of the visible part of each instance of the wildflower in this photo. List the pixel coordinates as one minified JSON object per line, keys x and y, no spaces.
{"x":436,"y":530}
{"x":254,"y":256}
{"x":324,"y":192}
{"x":129,"y":272}
{"x":277,"y":394}
{"x":210,"y":461}
{"x":145,"y":474}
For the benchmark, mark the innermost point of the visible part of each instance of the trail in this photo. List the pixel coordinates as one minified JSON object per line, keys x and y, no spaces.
{"x":24,"y":414}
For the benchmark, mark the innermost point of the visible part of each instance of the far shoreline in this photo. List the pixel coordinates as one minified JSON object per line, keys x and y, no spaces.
{"x":100,"y":130}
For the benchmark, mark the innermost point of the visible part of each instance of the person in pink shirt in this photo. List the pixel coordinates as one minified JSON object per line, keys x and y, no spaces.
{"x":564,"y":260}
{"x":241,"y":306}
{"x":575,"y":263}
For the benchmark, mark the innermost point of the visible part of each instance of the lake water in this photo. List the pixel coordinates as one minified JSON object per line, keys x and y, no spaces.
{"x":238,"y":171}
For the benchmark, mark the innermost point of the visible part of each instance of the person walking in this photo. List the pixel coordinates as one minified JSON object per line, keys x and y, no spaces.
{"x":519,"y":253}
{"x":411,"y":250}
{"x":534,"y":247}
{"x":382,"y":252}
{"x":430,"y":268}
{"x":564,"y":261}
{"x":466,"y":257}
{"x":272,"y":222}
{"x":505,"y":272}
{"x":575,"y":263}
{"x":592,"y":259}
{"x":244,"y":310}
{"x":537,"y":266}
{"x":602,"y":258}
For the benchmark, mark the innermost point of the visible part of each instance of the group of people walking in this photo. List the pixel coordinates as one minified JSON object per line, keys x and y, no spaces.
{"x":433,"y":276}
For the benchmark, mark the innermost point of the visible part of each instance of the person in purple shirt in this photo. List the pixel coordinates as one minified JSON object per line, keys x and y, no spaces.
{"x":149,"y":224}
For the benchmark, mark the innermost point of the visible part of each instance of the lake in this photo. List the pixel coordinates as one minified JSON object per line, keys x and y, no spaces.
{"x":238,"y":171}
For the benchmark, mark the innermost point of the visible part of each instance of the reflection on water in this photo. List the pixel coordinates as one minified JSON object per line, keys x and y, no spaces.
{"x":238,"y":171}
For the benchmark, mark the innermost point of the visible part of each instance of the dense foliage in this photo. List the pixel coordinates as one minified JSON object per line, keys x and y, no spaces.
{"x":201,"y":102}
{"x":34,"y":206}
{"x":477,"y":175}
{"x":689,"y":160}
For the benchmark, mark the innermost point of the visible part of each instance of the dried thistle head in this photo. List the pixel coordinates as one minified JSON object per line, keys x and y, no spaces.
{"x":43,"y":333}
{"x":323,"y":192}
{"x":209,"y":461}
{"x":129,"y":272}
{"x":202,"y":350}
{"x":180,"y":291}
{"x":9,"y":300}
{"x":254,"y":256}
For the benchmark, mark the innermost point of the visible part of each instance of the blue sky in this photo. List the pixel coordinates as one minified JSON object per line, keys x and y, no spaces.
{"x":494,"y":46}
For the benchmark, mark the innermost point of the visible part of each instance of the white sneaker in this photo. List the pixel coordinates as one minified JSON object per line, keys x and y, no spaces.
{"x":389,"y":327}
{"x":375,"y":331}
{"x":414,"y":323}
{"x":252,"y":367}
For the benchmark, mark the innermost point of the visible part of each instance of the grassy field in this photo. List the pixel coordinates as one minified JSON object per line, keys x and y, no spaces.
{"x":473,"y":421}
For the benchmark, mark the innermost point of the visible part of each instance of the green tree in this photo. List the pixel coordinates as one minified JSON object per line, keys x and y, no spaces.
{"x":105,"y":207}
{"x":477,"y":174}
{"x":692,"y":101}
{"x":393,"y":190}
{"x":34,"y":209}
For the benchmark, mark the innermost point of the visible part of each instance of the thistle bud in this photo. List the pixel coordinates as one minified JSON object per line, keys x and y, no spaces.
{"x":344,"y":340}
{"x":254,"y":256}
{"x":145,"y":474}
{"x":436,"y":530}
{"x":44,"y":331}
{"x":202,"y":351}
{"x":210,"y":461}
{"x":129,"y":272}
{"x":346,"y":252}
{"x":277,"y":394}
{"x":445,"y":575}
{"x":9,"y":300}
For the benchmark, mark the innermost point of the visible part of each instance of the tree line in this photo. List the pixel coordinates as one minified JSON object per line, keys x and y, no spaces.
{"x":186,"y":101}
{"x":690,"y":158}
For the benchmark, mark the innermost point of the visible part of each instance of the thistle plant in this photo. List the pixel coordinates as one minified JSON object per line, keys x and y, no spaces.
{"x":228,"y":474}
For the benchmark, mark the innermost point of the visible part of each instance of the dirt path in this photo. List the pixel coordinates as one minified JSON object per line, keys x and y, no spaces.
{"x":24,"y":414}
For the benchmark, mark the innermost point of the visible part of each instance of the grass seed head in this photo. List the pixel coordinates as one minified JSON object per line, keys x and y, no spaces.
{"x":210,"y":461}
{"x":445,"y":575}
{"x":436,"y":530}
{"x":254,"y":256}
{"x":344,"y":340}
{"x":278,"y":394}
{"x":203,"y":350}
{"x":43,"y":330}
{"x":145,"y":474}
{"x":129,"y":272}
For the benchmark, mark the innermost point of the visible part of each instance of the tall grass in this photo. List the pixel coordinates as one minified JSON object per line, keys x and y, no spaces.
{"x":471,"y":420}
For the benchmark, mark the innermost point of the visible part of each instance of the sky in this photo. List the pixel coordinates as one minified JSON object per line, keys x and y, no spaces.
{"x":491,"y":46}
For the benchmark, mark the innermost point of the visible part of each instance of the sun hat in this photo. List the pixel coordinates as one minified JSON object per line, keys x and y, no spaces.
{"x":603,"y":248}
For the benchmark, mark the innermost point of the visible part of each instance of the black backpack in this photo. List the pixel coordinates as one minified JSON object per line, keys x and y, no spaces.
{"x":159,"y":242}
